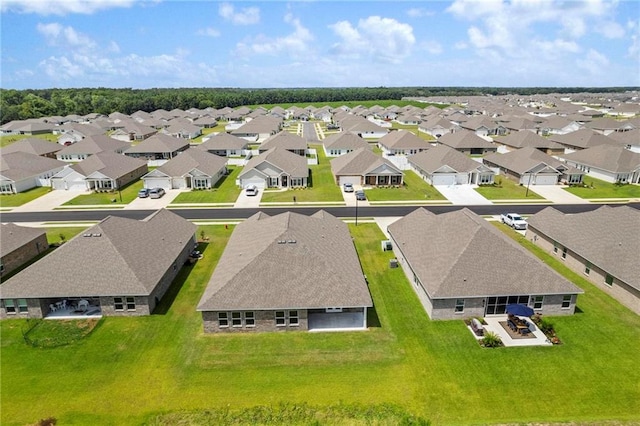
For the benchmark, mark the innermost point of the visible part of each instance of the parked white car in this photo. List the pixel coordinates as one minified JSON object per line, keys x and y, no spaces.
{"x":514,"y":220}
{"x":251,"y":190}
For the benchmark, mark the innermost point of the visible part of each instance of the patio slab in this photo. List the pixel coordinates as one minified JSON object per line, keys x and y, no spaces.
{"x":493,"y":325}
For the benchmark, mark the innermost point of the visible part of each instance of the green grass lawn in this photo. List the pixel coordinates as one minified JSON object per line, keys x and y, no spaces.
{"x":322,"y":186}
{"x":414,"y":188}
{"x":224,"y":191}
{"x":125,"y":196}
{"x":15,"y":200}
{"x":602,"y":189}
{"x":507,"y":190}
{"x":9,"y":139}
{"x":129,"y":370}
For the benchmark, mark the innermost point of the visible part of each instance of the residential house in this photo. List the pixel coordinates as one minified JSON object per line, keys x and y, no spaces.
{"x":192,"y":169}
{"x":21,"y":171}
{"x":630,"y":139}
{"x":37,"y":146}
{"x":483,"y":126}
{"x":451,"y":261}
{"x":442,"y":165}
{"x":131,"y":130}
{"x":89,"y":146}
{"x":158,"y":149}
{"x":72,"y":132}
{"x":530,"y":166}
{"x":26,"y":127}
{"x":285,"y":140}
{"x":468,"y":143}
{"x":582,"y":139}
{"x":225,"y":145}
{"x":19,"y":245}
{"x":183,"y":131}
{"x":557,"y":125}
{"x":524,"y":139}
{"x":609,"y":163}
{"x":363,"y":167}
{"x":118,"y":267}
{"x":288,"y":272}
{"x":258,"y":129}
{"x":276,"y":168}
{"x":437,"y":126}
{"x":608,"y":126}
{"x":601,"y":245}
{"x":342,"y":143}
{"x":362,"y":127}
{"x":402,"y":142}
{"x":105,"y":171}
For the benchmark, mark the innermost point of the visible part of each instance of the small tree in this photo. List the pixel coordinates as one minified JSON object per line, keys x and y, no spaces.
{"x":63,"y":238}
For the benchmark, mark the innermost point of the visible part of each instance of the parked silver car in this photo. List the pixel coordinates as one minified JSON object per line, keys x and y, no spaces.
{"x":156,"y":193}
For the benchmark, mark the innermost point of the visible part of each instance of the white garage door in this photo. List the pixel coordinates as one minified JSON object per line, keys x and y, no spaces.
{"x":444,"y":179}
{"x":353,"y":180}
{"x":257,"y":181}
{"x":164,"y":183}
{"x":546,"y":179}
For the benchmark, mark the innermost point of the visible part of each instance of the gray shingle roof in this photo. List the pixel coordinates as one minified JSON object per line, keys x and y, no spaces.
{"x":13,"y":236}
{"x":360,"y":162}
{"x":583,"y":138}
{"x":608,"y":237}
{"x":464,"y":139}
{"x":284,"y":140}
{"x":522,"y":160}
{"x":616,"y":159}
{"x":35,"y":146}
{"x":128,"y":258}
{"x":344,"y":140}
{"x":93,"y":145}
{"x":316,"y":267}
{"x":224,"y":141}
{"x":21,"y":165}
{"x":441,"y":155}
{"x":526,"y":138}
{"x":191,"y":159}
{"x":109,"y":164}
{"x":403,"y":139}
{"x":459,"y":254}
{"x":159,"y":143}
{"x":292,"y":164}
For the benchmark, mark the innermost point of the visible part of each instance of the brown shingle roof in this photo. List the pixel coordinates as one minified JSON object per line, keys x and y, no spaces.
{"x":122,"y":257}
{"x":13,"y":236}
{"x":287,"y":261}
{"x":608,"y":237}
{"x":459,"y":254}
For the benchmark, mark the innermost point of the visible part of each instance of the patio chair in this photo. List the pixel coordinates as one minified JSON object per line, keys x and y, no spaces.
{"x":52,"y":307}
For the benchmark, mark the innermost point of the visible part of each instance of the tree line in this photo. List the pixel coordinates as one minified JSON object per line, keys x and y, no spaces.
{"x":25,"y":104}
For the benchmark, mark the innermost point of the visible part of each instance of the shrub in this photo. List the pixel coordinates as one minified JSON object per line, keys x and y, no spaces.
{"x":491,"y":340}
{"x":545,"y":326}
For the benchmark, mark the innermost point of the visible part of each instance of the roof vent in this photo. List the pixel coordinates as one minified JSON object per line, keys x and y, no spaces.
{"x":86,"y":235}
{"x":291,"y":241}
{"x":96,"y":235}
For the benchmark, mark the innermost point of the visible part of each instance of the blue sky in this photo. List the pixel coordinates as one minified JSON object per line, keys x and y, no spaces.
{"x":144,"y":44}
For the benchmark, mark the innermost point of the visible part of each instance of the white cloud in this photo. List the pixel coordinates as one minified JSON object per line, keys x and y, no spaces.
{"x":610,"y":29}
{"x":419,"y":12}
{"x":61,"y":7}
{"x":298,"y":42}
{"x":209,"y":32}
{"x":375,"y":37}
{"x":114,"y":47}
{"x":66,"y":37}
{"x":634,"y":48}
{"x":594,"y":62}
{"x":432,"y":47}
{"x":247,"y":15}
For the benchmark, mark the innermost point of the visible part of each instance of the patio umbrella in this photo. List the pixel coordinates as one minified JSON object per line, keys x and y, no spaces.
{"x":520,"y":310}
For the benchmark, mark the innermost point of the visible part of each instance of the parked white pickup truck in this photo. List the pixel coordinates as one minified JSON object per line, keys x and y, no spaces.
{"x":514,"y":220}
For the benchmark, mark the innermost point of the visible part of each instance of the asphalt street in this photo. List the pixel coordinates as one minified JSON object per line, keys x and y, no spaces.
{"x":203,"y":214}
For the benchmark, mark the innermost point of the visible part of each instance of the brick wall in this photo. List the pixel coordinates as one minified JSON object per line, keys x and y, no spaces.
{"x":22,"y":255}
{"x":264,"y":322}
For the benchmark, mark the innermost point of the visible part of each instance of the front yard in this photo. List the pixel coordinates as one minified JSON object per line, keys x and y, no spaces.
{"x":506,"y":189}
{"x":124,"y":196}
{"x":224,"y":191}
{"x":163,"y":363}
{"x":414,"y":189}
{"x":322,"y":185}
{"x":599,"y":189}
{"x":15,"y":200}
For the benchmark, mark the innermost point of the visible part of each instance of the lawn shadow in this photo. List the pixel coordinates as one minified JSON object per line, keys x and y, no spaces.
{"x":163,"y":306}
{"x":372,"y":318}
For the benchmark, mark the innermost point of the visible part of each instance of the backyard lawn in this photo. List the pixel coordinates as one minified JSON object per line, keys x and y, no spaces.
{"x":414,"y":189}
{"x":322,"y":186}
{"x":130,"y":370}
{"x":15,"y":200}
{"x":125,"y":196}
{"x":506,"y":189}
{"x":600,"y":189}
{"x":224,"y":191}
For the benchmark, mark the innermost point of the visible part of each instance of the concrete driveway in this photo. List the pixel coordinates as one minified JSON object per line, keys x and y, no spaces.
{"x":556,"y":194}
{"x":154,"y":203}
{"x":49,"y":201}
{"x":464,"y":195}
{"x":244,"y":201}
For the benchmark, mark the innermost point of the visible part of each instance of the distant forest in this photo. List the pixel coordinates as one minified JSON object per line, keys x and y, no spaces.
{"x":24,"y":104}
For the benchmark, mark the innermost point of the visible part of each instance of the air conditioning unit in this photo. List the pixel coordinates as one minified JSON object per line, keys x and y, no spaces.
{"x":386,"y":245}
{"x":393,"y":263}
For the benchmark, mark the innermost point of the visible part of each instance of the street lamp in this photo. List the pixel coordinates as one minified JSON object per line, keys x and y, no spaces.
{"x":356,"y":210}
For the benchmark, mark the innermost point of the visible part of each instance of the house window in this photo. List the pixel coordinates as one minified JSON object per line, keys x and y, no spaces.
{"x":566,"y":301}
{"x":537,"y":302}
{"x":22,"y":306}
{"x":223,"y":319}
{"x":587,"y":268}
{"x":10,"y":306}
{"x":555,"y":247}
{"x":293,"y":318}
{"x":609,"y":280}
{"x":249,"y":319}
{"x":459,"y":306}
{"x":118,"y":303}
{"x":564,"y":252}
{"x":236,"y":319}
{"x":280,"y":319}
{"x":131,"y":304}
